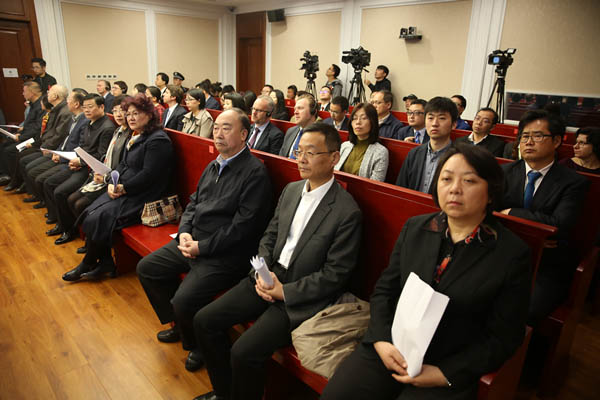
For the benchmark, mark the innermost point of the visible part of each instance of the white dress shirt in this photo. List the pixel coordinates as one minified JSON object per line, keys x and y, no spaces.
{"x":306,"y":208}
{"x":539,"y":180}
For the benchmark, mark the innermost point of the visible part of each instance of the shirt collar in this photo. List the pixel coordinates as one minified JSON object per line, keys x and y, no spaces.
{"x":472,"y":138}
{"x":383,"y":120}
{"x":260,"y":127}
{"x":223,"y":162}
{"x":542,"y":171}
{"x":440,"y":151}
{"x":482,"y":233}
{"x":319,"y":192}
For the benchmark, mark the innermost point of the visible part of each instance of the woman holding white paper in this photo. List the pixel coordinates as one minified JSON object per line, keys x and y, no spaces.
{"x":145,"y":173}
{"x":465,"y":253}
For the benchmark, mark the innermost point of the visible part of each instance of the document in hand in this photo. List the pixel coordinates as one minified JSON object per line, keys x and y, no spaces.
{"x":21,"y":146}
{"x":98,"y":166}
{"x":7,"y":133}
{"x":418,"y":313}
{"x":67,"y":155}
{"x":260,"y":266}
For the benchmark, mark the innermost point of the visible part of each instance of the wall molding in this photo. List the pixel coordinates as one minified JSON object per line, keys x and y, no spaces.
{"x":151,"y":46}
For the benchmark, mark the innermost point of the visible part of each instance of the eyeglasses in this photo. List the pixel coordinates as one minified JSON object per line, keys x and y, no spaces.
{"x":259,"y":110}
{"x":189,"y":99}
{"x":414,"y":113}
{"x":362,"y":119}
{"x":579,"y":143}
{"x":134,"y":114}
{"x":537,"y":137}
{"x":308,"y":154}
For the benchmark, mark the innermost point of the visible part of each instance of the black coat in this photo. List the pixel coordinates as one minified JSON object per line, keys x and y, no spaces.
{"x":345,"y":123}
{"x":491,"y":142}
{"x":176,"y":117}
{"x":32,"y":126}
{"x":145,"y":172}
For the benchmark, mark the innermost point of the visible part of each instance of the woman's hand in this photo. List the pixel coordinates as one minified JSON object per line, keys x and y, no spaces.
{"x":392,"y":358}
{"x":115,"y":193}
{"x":99,"y":179}
{"x":430,"y":376}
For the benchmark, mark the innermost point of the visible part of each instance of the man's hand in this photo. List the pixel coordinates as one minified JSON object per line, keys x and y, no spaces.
{"x":17,"y":137}
{"x":75,"y":164}
{"x":430,"y":376}
{"x":188,"y":246}
{"x":392,"y":358}
{"x":367,"y":82}
{"x":269,"y":293}
{"x":409,"y":139}
{"x":28,"y":145}
{"x":506,"y":211}
{"x":55,"y":158}
{"x":99,"y":179}
{"x":115,"y":192}
{"x":45,"y":152}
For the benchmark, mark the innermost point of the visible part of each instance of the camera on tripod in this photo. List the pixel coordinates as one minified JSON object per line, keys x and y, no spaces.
{"x":359,"y":58}
{"x":501,"y":58}
{"x":310,"y":65}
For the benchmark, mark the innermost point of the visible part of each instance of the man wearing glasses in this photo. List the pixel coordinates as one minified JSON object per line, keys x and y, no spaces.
{"x":483,"y":123}
{"x":540,"y":189}
{"x":389,"y":126}
{"x":311,"y":248}
{"x":324,"y":98}
{"x":338,"y":109}
{"x":264,"y":136}
{"x":415,"y":132}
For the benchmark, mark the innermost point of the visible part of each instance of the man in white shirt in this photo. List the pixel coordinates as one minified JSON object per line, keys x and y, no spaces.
{"x":311,"y":247}
{"x":324,"y":98}
{"x":264,"y":136}
{"x":305,"y":112}
{"x":161,"y":82}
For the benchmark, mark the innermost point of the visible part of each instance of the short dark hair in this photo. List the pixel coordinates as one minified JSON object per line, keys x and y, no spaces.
{"x":336,"y":70}
{"x":227,"y":89}
{"x":294,"y":88}
{"x":342,"y":102}
{"x":143,"y":104}
{"x":373,"y":119}
{"x":39,"y":60}
{"x":106,"y":83}
{"x":555,"y":124}
{"x":122,"y":85}
{"x":332,"y":136}
{"x":593,"y":137}
{"x":420,"y":102}
{"x":205,"y":85}
{"x":99,"y":100}
{"x":198,"y":95}
{"x":442,"y":104}
{"x":463,"y":101}
{"x":140,"y":87}
{"x":237,"y":101}
{"x":154,"y":92}
{"x":388,"y":97}
{"x":269,"y":86}
{"x":176,"y":91}
{"x":384,"y":69}
{"x":489,"y":109}
{"x":164,"y":77}
{"x":118,"y":100}
{"x":484,"y":164}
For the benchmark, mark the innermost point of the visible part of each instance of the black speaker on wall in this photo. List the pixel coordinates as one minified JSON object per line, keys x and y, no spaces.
{"x":276,"y":15}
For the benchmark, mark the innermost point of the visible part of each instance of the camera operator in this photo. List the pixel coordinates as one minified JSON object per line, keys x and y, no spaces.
{"x":333,"y":82}
{"x":381,"y":80}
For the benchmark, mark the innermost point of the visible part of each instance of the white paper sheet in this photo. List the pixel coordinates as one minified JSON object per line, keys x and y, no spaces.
{"x":260,"y":266}
{"x":67,"y":155}
{"x":418,"y":313}
{"x":10,"y":126}
{"x":21,"y":146}
{"x":97,"y":166}
{"x":7,"y":133}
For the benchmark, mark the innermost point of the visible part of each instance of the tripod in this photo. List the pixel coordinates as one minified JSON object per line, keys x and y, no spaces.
{"x":498,"y":88}
{"x":310,"y":84}
{"x":357,"y":89}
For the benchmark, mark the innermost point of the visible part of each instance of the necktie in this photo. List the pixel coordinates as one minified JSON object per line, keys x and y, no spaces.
{"x":417,"y":137}
{"x":253,"y":138}
{"x":532,"y":176}
{"x":295,"y":146}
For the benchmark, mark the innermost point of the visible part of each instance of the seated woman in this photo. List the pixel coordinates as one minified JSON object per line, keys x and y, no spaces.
{"x":145,"y":174}
{"x":233,"y":100}
{"x":153,"y":93}
{"x":362,"y":154}
{"x":587,"y":151}
{"x":198,"y":121}
{"x":249,"y":99}
{"x":465,"y":253}
{"x":280,"y":111}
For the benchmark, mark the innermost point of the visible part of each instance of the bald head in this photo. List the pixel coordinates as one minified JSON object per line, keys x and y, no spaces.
{"x":57,"y":94}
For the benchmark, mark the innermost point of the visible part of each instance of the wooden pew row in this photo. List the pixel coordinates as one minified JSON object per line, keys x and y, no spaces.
{"x":387,"y":207}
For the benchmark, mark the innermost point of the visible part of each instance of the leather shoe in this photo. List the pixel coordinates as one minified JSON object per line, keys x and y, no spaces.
{"x":22,"y":189}
{"x":66,"y":237}
{"x":82,"y":249}
{"x":31,"y":199}
{"x":168,"y":335}
{"x":210,"y":396}
{"x":104,"y":268}
{"x":57,"y":230}
{"x":39,"y":205}
{"x":75,"y":273}
{"x":194,"y":361}
{"x":51,"y":221}
{"x":10,"y":187}
{"x":4,"y":180}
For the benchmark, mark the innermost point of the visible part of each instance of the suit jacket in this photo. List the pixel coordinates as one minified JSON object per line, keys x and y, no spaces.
{"x":96,"y":137}
{"x":288,"y":140}
{"x":326,"y":106}
{"x":175,"y":118}
{"x":374,"y":164}
{"x":407,"y":131}
{"x":488,"y":284}
{"x":491,"y":142}
{"x":212,"y":104}
{"x":411,"y":172}
{"x":326,"y":252}
{"x":345,"y":123}
{"x":108,"y":103}
{"x":390,"y":128}
{"x":32,"y":126}
{"x":57,"y":129}
{"x":271,"y":139}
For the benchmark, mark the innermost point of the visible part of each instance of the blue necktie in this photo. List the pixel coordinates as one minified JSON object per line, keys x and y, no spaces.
{"x":532,"y":176}
{"x":295,"y":147}
{"x":417,"y":138}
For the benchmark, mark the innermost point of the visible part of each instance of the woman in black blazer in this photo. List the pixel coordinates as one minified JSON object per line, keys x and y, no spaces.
{"x":466,"y":254}
{"x":145,"y":174}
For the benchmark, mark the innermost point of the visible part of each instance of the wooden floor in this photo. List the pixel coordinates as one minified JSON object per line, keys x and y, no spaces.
{"x":97,"y":340}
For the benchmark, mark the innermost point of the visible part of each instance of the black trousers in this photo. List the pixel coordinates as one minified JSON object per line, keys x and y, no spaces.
{"x":78,"y":201}
{"x":40,"y":180}
{"x":238,"y":371}
{"x":8,"y":154}
{"x":177,"y":300}
{"x":33,"y":169}
{"x":57,"y":189}
{"x":22,"y":159}
{"x":364,"y":376}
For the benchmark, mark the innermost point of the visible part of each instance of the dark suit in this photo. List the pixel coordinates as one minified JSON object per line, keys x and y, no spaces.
{"x":318,"y":272}
{"x":411,"y":172}
{"x":270,"y":139}
{"x":408,"y":131}
{"x":345,"y":123}
{"x":326,"y":107}
{"x":390,"y":127}
{"x":288,"y":140}
{"x":556,"y":202}
{"x":108,"y":103}
{"x":212,"y":104}
{"x":175,"y":118}
{"x":488,"y":285}
{"x":491,"y":142}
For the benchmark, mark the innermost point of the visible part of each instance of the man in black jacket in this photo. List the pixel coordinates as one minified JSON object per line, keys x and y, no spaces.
{"x":483,"y":123}
{"x":381,"y":80}
{"x":174,"y":113}
{"x":218,"y":234}
{"x":264,"y":136}
{"x":46,"y":81}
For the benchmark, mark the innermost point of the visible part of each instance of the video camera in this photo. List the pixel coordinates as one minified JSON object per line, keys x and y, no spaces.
{"x":310,"y":65}
{"x":359,"y":58}
{"x":501,"y":58}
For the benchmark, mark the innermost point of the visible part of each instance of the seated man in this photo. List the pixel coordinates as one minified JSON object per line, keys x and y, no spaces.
{"x":218,"y":233}
{"x":539,"y":189}
{"x":161,"y":82}
{"x":103,"y":89}
{"x":311,"y":246}
{"x":483,"y":123}
{"x":264,"y":136}
{"x":389,"y":126}
{"x":381,"y":80}
{"x":211,"y":102}
{"x":461,"y":104}
{"x":338,"y":109}
{"x":305,"y":113}
{"x":324,"y":98}
{"x":408,"y":100}
{"x":266,"y":90}
{"x":415,"y":132}
{"x":173,"y":115}
{"x":292,"y":91}
{"x":333,"y":82}
{"x":419,"y":167}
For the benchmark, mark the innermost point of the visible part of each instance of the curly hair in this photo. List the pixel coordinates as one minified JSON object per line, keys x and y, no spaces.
{"x":143,"y":104}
